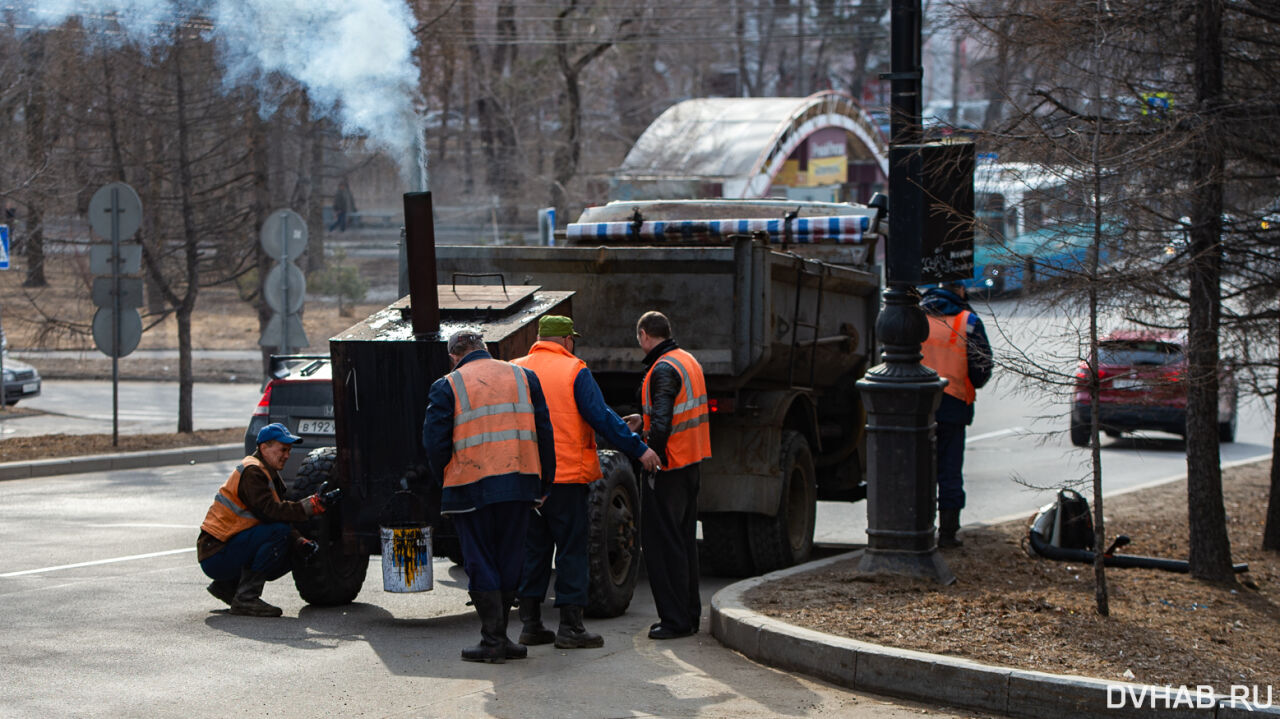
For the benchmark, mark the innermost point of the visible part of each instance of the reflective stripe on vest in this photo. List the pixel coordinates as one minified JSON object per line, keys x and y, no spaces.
{"x":227,"y":516}
{"x":557,"y":370}
{"x":493,"y":427}
{"x":946,"y":352}
{"x":690,"y":440}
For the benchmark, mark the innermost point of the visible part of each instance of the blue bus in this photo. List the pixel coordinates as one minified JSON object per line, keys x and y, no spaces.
{"x":1032,"y":224}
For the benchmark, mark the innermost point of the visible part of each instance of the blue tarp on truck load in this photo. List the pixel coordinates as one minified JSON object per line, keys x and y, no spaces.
{"x":847,"y":229}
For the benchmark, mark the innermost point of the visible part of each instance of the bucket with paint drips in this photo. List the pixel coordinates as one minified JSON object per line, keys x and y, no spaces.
{"x":406,"y":545}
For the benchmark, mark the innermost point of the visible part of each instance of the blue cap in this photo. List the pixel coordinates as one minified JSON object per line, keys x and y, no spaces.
{"x":277,"y":432}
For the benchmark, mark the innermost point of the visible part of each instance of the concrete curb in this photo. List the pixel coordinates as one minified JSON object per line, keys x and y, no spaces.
{"x":122,"y":460}
{"x":938,"y":679}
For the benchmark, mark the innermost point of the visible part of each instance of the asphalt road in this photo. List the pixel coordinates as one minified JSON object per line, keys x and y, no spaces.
{"x":105,"y":615}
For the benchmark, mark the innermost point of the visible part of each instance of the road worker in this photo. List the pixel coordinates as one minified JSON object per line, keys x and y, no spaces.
{"x":246,"y":537}
{"x":578,"y":412}
{"x":675,"y":416}
{"x":490,"y":446}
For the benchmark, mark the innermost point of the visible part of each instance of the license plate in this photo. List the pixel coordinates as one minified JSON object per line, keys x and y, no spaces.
{"x":315,"y":426}
{"x":1127,"y":383}
{"x":30,"y":387}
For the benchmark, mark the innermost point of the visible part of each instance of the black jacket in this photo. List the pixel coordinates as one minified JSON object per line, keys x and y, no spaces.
{"x":664,"y":387}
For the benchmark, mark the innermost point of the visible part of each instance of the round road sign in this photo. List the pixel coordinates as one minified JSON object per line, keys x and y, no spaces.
{"x":115,"y":200}
{"x":273,"y":288}
{"x":130,"y":331}
{"x":284,"y":234}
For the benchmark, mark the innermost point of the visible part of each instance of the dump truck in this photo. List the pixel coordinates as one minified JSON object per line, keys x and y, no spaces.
{"x":776,"y":299}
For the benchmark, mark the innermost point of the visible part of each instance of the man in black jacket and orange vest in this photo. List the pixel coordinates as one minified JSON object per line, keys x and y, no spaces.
{"x":675,"y":415}
{"x":491,"y":447}
{"x":246,"y":534}
{"x":577,"y":411}
{"x":958,"y":350}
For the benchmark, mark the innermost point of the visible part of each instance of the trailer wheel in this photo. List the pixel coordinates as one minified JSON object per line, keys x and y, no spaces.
{"x":613,"y":537}
{"x":787,"y":537}
{"x":331,"y":577}
{"x":724,"y":549}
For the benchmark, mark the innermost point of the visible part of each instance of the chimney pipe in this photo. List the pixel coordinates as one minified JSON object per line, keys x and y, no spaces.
{"x":420,"y":248}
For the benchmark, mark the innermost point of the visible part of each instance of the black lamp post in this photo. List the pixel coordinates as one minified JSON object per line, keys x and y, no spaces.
{"x":901,"y":394}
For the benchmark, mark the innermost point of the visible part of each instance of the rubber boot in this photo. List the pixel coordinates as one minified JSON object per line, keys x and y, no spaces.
{"x":514,"y":651}
{"x":572,"y":635}
{"x":248,"y":600}
{"x":532,"y":630}
{"x":948,"y":525}
{"x":224,"y":590}
{"x":492,"y":646}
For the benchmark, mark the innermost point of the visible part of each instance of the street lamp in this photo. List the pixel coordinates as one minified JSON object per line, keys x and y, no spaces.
{"x":901,"y":394}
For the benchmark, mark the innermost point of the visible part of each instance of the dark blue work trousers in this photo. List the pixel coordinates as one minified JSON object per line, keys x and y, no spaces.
{"x":559,"y":527}
{"x":950,"y":465}
{"x":260,"y":548}
{"x":492,"y":539}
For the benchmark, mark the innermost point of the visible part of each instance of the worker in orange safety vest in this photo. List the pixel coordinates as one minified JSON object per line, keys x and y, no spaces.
{"x":560,"y":527}
{"x":958,"y":350}
{"x":491,"y":448}
{"x":247,"y":533}
{"x":675,"y":419}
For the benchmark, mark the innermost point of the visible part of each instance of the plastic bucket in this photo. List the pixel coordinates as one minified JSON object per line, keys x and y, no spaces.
{"x":406,"y":558}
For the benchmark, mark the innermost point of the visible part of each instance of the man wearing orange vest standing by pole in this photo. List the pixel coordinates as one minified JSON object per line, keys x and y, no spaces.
{"x":577,"y":411}
{"x":491,"y":447}
{"x":675,"y":415}
{"x":958,"y":350}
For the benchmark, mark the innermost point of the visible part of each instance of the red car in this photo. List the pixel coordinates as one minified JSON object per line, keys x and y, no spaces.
{"x":1143,"y":386}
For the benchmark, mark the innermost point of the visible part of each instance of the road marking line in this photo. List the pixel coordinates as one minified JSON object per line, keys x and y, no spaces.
{"x":100,"y":561}
{"x":135,"y":525}
{"x":997,"y":433}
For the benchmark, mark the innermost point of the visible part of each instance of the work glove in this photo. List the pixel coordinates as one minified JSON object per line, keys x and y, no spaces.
{"x":307,"y":548}
{"x":330,"y":498}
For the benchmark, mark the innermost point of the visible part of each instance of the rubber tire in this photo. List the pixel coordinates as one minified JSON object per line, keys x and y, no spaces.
{"x":724,"y":551}
{"x":786,"y":538}
{"x":331,"y":578}
{"x":1227,"y":430}
{"x":1079,"y":432}
{"x":613,"y":537}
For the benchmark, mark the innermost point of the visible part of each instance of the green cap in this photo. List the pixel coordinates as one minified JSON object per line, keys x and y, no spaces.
{"x":556,"y":326}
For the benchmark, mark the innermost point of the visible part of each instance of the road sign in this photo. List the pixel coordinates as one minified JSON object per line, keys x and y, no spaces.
{"x":130,"y":331}
{"x":4,"y":247}
{"x":130,"y":259}
{"x":284,"y":234}
{"x":273,"y":290}
{"x":130,"y":292}
{"x":273,"y":335}
{"x":115,"y":201}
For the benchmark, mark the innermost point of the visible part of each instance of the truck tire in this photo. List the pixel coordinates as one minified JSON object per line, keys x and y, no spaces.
{"x":331,"y":577}
{"x":724,"y":550}
{"x":613,"y":537}
{"x":786,"y":538}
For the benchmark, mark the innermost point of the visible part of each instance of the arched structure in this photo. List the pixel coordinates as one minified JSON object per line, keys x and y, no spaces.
{"x":821,"y":147}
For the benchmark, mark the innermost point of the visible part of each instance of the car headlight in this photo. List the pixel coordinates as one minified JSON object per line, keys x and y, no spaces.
{"x":8,"y":375}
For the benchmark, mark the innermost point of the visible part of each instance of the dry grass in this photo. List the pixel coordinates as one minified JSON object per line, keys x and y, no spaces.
{"x":1013,"y":609}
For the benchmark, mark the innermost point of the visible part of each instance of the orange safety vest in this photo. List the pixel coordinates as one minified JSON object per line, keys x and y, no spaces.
{"x":557,"y":369}
{"x":493,"y":427}
{"x":690,"y":440}
{"x":228,"y":516}
{"x":946,"y":353}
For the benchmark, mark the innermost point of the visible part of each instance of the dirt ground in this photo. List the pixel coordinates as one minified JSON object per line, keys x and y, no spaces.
{"x":1013,"y":609}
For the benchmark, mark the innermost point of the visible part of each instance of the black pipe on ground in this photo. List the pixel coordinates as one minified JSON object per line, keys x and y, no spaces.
{"x":1045,"y":549}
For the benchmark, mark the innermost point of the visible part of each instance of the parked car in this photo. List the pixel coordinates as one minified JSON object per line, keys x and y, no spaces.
{"x":299,"y":395}
{"x":21,"y":381}
{"x":1143,"y":387}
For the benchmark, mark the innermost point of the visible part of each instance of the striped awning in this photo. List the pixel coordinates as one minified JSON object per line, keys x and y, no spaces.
{"x":847,"y":229}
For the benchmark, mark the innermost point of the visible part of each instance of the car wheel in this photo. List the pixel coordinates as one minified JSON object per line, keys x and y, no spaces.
{"x":1227,"y":430}
{"x":1079,"y":432}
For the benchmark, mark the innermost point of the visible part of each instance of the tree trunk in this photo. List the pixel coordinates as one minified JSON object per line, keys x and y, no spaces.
{"x":190,"y":241}
{"x":1210,"y":551}
{"x":37,"y":158}
{"x":1271,"y":533}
